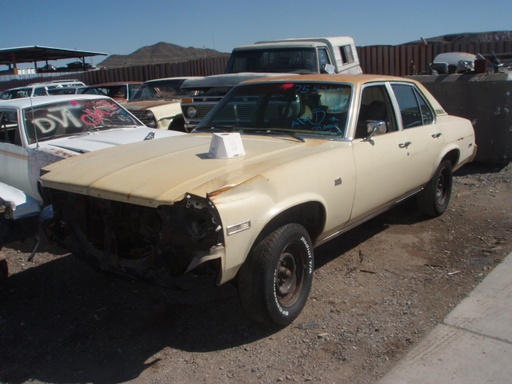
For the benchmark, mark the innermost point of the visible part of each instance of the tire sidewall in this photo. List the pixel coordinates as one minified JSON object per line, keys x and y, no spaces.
{"x":445,"y":171}
{"x":291,"y":234}
{"x":429,"y":203}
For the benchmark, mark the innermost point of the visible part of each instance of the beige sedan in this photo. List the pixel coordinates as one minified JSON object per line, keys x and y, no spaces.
{"x":278,"y":167}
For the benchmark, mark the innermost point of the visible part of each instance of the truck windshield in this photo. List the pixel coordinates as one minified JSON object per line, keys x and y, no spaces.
{"x":286,"y":60}
{"x":301,"y":108}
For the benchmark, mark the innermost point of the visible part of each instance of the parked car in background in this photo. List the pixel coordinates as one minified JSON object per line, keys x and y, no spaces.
{"x":28,"y":91}
{"x":35,"y":132}
{"x":278,"y":167}
{"x":38,"y":89}
{"x":119,"y":91}
{"x":80,"y":65}
{"x":68,"y":91}
{"x":157,"y":103}
{"x":47,"y":68}
{"x":68,"y":83}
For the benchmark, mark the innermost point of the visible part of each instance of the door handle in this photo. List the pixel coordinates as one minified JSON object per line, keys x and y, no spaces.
{"x":436,"y":135}
{"x":404,"y":144}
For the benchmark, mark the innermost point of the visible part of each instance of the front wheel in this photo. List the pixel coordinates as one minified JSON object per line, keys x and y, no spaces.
{"x":275,"y":280}
{"x":434,"y":199}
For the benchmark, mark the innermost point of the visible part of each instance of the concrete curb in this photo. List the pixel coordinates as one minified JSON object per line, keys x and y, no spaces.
{"x":473,"y":344}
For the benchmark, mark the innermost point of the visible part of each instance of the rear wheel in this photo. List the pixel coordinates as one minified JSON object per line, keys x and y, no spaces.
{"x":275,"y":280}
{"x":434,"y":199}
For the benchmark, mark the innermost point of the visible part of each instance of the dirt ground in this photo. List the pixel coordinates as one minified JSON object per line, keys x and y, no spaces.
{"x":377,"y":291}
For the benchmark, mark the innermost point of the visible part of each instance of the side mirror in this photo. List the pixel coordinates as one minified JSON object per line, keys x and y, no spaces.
{"x":328,"y":68}
{"x":375,"y":128}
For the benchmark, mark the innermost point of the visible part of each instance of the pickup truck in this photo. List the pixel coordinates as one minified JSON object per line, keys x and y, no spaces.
{"x":313,"y":55}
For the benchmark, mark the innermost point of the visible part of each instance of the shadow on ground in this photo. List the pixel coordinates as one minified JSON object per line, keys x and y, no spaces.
{"x":64,"y":322}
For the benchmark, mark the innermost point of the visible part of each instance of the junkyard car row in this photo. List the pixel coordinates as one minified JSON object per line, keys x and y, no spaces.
{"x":279,"y":166}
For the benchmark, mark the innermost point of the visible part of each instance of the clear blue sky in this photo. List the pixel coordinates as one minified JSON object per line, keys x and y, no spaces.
{"x":123,"y":26}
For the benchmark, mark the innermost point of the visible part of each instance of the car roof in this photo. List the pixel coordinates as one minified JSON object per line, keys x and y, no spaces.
{"x":32,"y":86}
{"x":172,"y":78}
{"x":357,"y":79}
{"x":113,"y":83}
{"x":26,"y":102}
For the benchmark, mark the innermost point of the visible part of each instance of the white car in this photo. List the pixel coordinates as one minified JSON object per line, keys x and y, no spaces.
{"x":35,"y":132}
{"x":38,"y":89}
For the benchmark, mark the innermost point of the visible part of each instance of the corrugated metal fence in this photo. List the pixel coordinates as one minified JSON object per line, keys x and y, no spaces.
{"x":403,"y":60}
{"x":400,"y":60}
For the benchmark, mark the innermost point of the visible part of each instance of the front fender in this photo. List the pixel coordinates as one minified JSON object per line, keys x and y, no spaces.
{"x":16,"y":204}
{"x":244,"y":214}
{"x":164,"y":114}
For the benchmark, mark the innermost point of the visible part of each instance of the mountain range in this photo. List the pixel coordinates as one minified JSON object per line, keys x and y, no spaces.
{"x":159,"y":53}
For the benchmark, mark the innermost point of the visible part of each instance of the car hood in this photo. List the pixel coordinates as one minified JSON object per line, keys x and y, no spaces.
{"x":87,"y":142}
{"x":163,"y":171}
{"x":145,"y":104}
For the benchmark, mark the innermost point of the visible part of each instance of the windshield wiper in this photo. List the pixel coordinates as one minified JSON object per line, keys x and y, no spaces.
{"x":216,"y":128}
{"x":278,"y":131}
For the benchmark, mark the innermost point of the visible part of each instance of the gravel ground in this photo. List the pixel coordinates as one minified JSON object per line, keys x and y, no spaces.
{"x":377,"y":291}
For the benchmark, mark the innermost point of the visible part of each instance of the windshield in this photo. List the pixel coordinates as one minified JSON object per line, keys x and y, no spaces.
{"x":62,"y":91}
{"x":160,"y":90}
{"x":74,"y":117}
{"x":286,"y":60}
{"x":300,"y":108}
{"x":16,"y":93}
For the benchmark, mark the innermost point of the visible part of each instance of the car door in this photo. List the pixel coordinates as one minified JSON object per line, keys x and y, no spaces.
{"x":423,"y":137}
{"x":16,"y":161}
{"x":382,"y":162}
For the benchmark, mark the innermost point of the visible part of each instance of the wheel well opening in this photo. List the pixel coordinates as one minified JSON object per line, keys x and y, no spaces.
{"x":310,"y":215}
{"x":452,"y":157}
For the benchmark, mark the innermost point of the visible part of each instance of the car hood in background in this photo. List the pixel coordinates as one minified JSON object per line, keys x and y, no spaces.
{"x":163,"y":171}
{"x":145,"y":104}
{"x":96,"y":140}
{"x":227,"y":79}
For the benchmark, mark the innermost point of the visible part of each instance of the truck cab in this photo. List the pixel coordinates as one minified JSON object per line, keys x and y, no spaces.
{"x":298,"y":56}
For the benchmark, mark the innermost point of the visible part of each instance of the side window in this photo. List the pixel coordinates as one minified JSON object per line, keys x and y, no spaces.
{"x":414,"y":109}
{"x":323,"y":57}
{"x":40,"y":91}
{"x":347,"y":56}
{"x":375,"y":107}
{"x":9,"y":128}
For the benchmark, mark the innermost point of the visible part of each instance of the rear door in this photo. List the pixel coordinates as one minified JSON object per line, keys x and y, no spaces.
{"x":423,"y":137}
